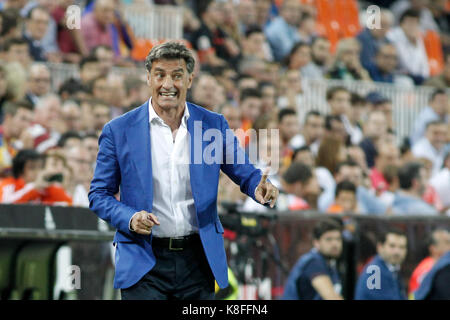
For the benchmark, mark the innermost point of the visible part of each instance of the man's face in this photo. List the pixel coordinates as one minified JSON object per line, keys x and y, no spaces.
{"x":376,"y":125}
{"x":247,"y":12}
{"x":411,"y":27}
{"x":91,"y":145}
{"x":72,"y":117}
{"x":255,"y":42}
{"x":79,"y":160}
{"x":251,"y":108}
{"x":338,"y":130}
{"x":347,"y":200}
{"x":233,"y":117}
{"x":387,"y":155}
{"x":101,"y":116}
{"x":40,"y":82}
{"x":385,"y":26}
{"x":320,"y":51}
{"x":394,"y":249}
{"x":90,"y":71}
{"x":314,"y":128}
{"x":104,"y":12}
{"x":350,"y":173}
{"x":387,"y":58}
{"x":21,"y":121}
{"x":169,"y":81}
{"x":289,"y":127}
{"x":291,"y":11}
{"x":105,"y":58}
{"x":309,"y":189}
{"x":38,"y":24}
{"x":305,"y":157}
{"x":437,"y":135}
{"x":441,"y":243}
{"x":340,"y":103}
{"x":330,"y":244}
{"x":102,"y":89}
{"x":205,"y":92}
{"x":268,"y":98}
{"x":19,"y":53}
{"x":440,"y":104}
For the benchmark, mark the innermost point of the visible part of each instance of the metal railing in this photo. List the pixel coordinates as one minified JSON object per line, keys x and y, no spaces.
{"x":155,"y":21}
{"x":407,"y":102}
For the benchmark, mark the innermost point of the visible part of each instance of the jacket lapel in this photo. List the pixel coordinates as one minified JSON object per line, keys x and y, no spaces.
{"x":196,"y":148}
{"x":138,"y":139}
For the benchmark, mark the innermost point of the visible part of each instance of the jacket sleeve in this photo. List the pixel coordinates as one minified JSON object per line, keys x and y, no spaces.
{"x":236,"y":163}
{"x":105,"y":185}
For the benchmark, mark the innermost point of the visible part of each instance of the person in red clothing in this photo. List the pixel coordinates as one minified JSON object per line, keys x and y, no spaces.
{"x":438,"y":243}
{"x":36,"y":179}
{"x":388,"y":154}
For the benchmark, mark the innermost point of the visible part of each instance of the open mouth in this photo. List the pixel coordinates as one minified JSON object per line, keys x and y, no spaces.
{"x":168,"y":94}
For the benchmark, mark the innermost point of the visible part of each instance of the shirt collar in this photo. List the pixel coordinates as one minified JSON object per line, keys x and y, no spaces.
{"x":153,"y":115}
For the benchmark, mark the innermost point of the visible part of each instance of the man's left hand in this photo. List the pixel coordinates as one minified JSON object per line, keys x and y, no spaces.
{"x":266,"y":192}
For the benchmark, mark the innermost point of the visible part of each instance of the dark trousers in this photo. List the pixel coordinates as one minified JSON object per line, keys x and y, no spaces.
{"x":177,"y":275}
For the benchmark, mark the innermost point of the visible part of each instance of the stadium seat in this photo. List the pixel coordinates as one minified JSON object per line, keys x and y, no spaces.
{"x":35,"y":271}
{"x":435,"y":55}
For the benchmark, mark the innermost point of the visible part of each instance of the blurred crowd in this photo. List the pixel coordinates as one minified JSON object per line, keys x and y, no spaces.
{"x":252,"y":56}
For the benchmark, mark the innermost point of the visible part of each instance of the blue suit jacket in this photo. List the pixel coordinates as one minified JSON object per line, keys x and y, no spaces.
{"x":124,"y":160}
{"x":390,"y":288}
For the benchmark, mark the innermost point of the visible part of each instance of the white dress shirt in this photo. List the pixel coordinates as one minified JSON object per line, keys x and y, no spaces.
{"x":173,"y":203}
{"x":413,"y":57}
{"x":424,"y":149}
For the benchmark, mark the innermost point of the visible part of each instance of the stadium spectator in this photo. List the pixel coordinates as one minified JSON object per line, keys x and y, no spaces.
{"x":96,"y":25}
{"x":288,"y":129}
{"x":384,"y":67}
{"x":73,"y":89}
{"x":100,"y":114}
{"x":335,"y":128}
{"x":39,"y":82}
{"x":374,"y":128}
{"x":312,"y":132}
{"x":437,"y":244}
{"x":387,"y":154}
{"x":347,"y":65}
{"x":282,"y":31}
{"x":250,"y":105}
{"x":263,"y":8}
{"x":331,"y":152}
{"x":437,"y":110}
{"x":246,"y":14}
{"x":90,"y":142}
{"x":376,"y":101}
{"x":17,"y":50}
{"x":367,"y":202}
{"x":441,"y":182}
{"x":307,"y":26}
{"x":69,"y":140}
{"x":298,"y":57}
{"x":44,"y":131}
{"x":435,"y":284}
{"x":70,"y":40}
{"x":410,"y":46}
{"x":371,"y":40}
{"x":17,"y":118}
{"x":205,"y":91}
{"x":434,"y":145}
{"x":380,"y":279}
{"x":408,"y":199}
{"x":79,"y":161}
{"x":291,"y":91}
{"x":345,"y":201}
{"x":315,"y":275}
{"x":233,"y":116}
{"x":213,"y":45}
{"x":89,"y":69}
{"x":35,"y":179}
{"x":268,"y":98}
{"x":105,"y":57}
{"x":421,"y":7}
{"x":320,"y":59}
{"x":441,"y":81}
{"x":10,"y":26}
{"x":254,"y":44}
{"x":36,"y":27}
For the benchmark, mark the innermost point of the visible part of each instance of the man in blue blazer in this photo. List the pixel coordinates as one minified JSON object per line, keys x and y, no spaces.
{"x":380,"y":279}
{"x":165,"y":157}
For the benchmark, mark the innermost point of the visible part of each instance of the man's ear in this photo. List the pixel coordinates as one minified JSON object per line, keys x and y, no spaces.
{"x":148,"y":79}
{"x":190,"y":80}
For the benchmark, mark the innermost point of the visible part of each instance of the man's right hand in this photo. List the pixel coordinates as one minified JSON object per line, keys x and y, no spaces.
{"x":143,"y":222}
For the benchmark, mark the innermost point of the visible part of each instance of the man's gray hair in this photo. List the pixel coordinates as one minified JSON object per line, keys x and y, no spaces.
{"x":171,"y":50}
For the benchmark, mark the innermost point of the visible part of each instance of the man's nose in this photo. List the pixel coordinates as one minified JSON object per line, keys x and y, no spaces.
{"x":167,"y":83}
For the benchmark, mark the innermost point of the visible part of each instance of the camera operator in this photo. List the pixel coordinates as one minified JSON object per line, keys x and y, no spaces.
{"x":36,"y":179}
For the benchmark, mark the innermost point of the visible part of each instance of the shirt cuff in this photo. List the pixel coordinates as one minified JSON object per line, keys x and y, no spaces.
{"x":129,"y":223}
